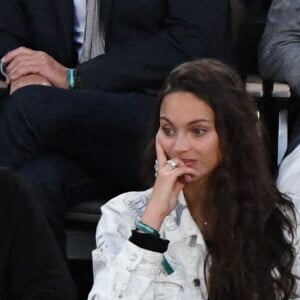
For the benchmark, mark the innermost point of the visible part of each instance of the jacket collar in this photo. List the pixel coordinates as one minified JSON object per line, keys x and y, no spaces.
{"x":180,"y":223}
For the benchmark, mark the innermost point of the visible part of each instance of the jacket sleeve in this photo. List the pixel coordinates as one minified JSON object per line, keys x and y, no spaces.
{"x":121,"y":269}
{"x":288,"y":176}
{"x":279,"y":51}
{"x":13,"y":26}
{"x":296,"y":266}
{"x":191,"y":29}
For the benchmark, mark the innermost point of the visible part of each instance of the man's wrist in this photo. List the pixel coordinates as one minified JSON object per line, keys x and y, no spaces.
{"x":73,"y":79}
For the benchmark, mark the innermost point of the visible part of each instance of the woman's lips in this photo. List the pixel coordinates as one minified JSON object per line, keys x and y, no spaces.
{"x":189,"y":162}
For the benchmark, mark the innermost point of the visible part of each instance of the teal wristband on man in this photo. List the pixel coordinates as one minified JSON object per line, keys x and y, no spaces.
{"x":71,"y":78}
{"x":147,"y":229}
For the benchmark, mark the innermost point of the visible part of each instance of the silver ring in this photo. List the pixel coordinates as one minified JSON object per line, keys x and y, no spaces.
{"x":171,"y":163}
{"x":2,"y":68}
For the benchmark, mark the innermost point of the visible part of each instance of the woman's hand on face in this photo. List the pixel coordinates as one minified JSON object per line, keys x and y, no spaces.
{"x":168,"y":184}
{"x":24,"y":61}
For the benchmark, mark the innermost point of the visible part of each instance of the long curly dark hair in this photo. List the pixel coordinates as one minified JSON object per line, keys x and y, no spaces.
{"x":251,"y":254}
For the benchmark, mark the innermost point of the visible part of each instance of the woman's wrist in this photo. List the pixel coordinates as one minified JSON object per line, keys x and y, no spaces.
{"x":145,"y":228}
{"x":152,"y":218}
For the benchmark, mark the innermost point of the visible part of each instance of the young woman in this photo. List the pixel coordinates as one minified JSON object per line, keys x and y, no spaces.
{"x":214,"y":225}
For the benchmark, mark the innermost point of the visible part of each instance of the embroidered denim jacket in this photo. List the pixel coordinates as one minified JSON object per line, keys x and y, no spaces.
{"x":123,"y":270}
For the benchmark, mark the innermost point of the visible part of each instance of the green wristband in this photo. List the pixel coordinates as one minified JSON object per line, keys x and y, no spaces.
{"x":71,"y":78}
{"x":146,"y":229}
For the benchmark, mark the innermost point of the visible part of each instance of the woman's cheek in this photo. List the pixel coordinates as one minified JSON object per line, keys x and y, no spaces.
{"x":167,"y":147}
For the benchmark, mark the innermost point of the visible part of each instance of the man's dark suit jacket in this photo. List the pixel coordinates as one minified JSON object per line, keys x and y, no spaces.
{"x":144,"y":39}
{"x":31,"y":266}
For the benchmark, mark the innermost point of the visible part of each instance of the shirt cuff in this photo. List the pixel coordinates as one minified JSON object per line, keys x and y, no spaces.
{"x":149,"y":242}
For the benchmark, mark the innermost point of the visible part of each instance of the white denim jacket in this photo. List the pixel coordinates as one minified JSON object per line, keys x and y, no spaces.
{"x":123,"y":270}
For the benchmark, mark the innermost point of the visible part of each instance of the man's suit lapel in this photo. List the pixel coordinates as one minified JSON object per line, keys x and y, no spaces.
{"x":65,"y":10}
{"x":105,"y":6}
{"x":66,"y":16}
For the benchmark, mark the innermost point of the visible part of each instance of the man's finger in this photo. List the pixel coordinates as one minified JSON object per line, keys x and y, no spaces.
{"x":13,"y":53}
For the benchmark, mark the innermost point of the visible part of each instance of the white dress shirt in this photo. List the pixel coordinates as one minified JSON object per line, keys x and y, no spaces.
{"x":79,"y":23}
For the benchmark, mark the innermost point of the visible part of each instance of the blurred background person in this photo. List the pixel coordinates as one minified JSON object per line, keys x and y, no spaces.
{"x":31,"y":265}
{"x":279,"y":60}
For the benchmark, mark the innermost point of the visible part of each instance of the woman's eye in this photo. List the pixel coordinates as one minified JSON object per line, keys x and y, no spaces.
{"x":168,"y":131}
{"x":199,"y":131}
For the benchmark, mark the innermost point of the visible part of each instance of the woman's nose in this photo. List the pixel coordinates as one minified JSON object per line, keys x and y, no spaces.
{"x":181,"y":143}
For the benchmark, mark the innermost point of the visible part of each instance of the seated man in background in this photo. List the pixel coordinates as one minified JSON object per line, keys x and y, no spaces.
{"x":82,"y":137}
{"x":279,"y":60}
{"x":31,"y":265}
{"x":279,"y":52}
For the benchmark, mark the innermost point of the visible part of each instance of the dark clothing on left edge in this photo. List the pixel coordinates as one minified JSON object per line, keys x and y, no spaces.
{"x":31,"y":266}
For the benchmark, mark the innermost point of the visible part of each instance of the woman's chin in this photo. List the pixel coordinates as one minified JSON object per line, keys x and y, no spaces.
{"x":186,"y":179}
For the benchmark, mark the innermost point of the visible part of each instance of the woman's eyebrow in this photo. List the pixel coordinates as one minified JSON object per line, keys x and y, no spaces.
{"x":200,"y":121}
{"x":190,"y":123}
{"x":165,"y":119}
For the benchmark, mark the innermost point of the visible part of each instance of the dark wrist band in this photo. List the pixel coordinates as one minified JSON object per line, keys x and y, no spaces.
{"x":149,"y":241}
